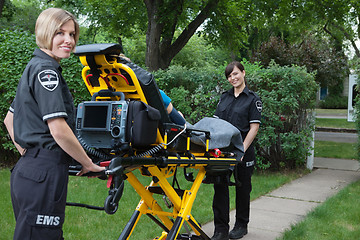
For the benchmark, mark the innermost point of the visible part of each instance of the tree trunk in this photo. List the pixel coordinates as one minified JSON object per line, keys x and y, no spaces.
{"x":2,"y":3}
{"x":153,"y":35}
{"x":160,"y":47}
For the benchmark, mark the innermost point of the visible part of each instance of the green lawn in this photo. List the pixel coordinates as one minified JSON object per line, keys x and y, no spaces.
{"x":335,"y":112}
{"x":89,"y":224}
{"x":330,"y":149}
{"x":334,"y":123}
{"x":337,"y":218}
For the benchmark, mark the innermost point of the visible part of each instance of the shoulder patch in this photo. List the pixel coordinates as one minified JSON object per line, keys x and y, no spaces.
{"x":258,"y":105}
{"x":49,"y":79}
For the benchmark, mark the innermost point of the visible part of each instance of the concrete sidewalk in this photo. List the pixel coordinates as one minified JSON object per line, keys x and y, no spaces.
{"x":272,"y":214}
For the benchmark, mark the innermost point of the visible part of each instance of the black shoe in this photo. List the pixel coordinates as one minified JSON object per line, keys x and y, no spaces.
{"x":220,"y":236}
{"x":238,"y":232}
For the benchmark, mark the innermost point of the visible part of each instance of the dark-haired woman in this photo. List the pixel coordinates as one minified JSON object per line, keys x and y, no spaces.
{"x":242,"y":108}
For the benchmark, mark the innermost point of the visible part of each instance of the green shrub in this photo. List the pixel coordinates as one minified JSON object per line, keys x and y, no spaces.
{"x":334,"y":102}
{"x":194,"y":92}
{"x":16,"y":48}
{"x":288,"y":95}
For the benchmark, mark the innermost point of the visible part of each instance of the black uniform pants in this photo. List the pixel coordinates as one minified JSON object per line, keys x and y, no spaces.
{"x":38,"y":194}
{"x":221,"y":207}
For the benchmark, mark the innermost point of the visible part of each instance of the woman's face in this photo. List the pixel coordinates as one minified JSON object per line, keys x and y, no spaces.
{"x":63,"y":42}
{"x":236,"y":78}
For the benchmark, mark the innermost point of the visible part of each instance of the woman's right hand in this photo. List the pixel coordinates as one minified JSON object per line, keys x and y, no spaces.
{"x":91,"y":168}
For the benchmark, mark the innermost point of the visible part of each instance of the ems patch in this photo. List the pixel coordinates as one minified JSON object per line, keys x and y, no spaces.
{"x":49,"y":79}
{"x":52,"y":220}
{"x":258,"y":105}
{"x":46,"y":220}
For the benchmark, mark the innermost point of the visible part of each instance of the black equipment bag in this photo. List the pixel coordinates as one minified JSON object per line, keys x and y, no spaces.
{"x":142,"y":123}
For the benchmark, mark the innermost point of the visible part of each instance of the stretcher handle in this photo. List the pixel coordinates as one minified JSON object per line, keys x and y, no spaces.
{"x":107,"y":93}
{"x":89,"y":174}
{"x":73,"y":170}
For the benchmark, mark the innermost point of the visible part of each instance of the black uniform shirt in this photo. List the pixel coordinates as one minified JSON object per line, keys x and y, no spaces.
{"x":42,"y":94}
{"x":240,"y":111}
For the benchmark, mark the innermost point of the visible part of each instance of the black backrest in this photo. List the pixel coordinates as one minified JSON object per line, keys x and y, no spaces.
{"x":146,"y":79}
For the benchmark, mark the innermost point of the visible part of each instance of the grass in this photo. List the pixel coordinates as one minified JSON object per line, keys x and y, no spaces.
{"x":334,"y":123}
{"x":336,"y":112}
{"x":328,"y":149}
{"x":337,"y":218}
{"x":89,"y":224}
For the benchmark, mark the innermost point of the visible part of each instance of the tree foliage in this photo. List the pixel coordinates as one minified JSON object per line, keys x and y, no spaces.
{"x":330,"y":65}
{"x":227,"y":24}
{"x":239,"y":26}
{"x":26,"y":20}
{"x":338,"y":20}
{"x":6,"y":9}
{"x":167,"y":24}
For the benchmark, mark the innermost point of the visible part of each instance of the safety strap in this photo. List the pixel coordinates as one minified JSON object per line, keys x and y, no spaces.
{"x":94,"y":79}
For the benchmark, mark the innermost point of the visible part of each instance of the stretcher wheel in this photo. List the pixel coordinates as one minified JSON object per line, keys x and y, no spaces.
{"x":109,"y":206}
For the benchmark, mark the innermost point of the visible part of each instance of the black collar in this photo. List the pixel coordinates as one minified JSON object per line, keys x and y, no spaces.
{"x":41,"y":54}
{"x":245,"y":90}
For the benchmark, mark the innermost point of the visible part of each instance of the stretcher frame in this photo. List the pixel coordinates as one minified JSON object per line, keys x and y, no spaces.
{"x":105,"y":71}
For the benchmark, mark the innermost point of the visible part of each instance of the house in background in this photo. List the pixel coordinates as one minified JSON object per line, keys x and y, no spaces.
{"x":349,"y":91}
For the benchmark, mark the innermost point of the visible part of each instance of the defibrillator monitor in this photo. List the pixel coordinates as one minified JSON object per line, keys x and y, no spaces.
{"x":96,"y":117}
{"x":101,"y":123}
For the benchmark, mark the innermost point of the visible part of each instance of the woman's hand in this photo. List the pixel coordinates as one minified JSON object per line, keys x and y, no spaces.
{"x":92,"y":168}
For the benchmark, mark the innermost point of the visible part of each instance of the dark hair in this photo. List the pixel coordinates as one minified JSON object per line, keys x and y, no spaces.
{"x":230,"y":67}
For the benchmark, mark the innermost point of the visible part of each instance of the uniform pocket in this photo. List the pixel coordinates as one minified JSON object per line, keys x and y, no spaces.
{"x":34,"y":174}
{"x":223,"y":104}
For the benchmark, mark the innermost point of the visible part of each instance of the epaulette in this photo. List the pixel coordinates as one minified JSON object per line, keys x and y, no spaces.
{"x":253,"y":93}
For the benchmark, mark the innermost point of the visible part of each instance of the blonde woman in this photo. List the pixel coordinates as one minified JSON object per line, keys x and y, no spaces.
{"x":41,"y":123}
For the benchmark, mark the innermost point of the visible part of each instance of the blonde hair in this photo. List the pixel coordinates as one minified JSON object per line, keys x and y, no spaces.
{"x":49,"y":22}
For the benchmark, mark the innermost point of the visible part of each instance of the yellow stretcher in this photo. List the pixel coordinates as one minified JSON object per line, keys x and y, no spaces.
{"x":105,"y":71}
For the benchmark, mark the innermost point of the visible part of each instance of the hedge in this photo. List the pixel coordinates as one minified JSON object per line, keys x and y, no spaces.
{"x":288,"y":95}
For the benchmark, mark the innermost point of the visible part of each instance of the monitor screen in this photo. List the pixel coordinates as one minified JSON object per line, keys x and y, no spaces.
{"x":95,"y":116}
